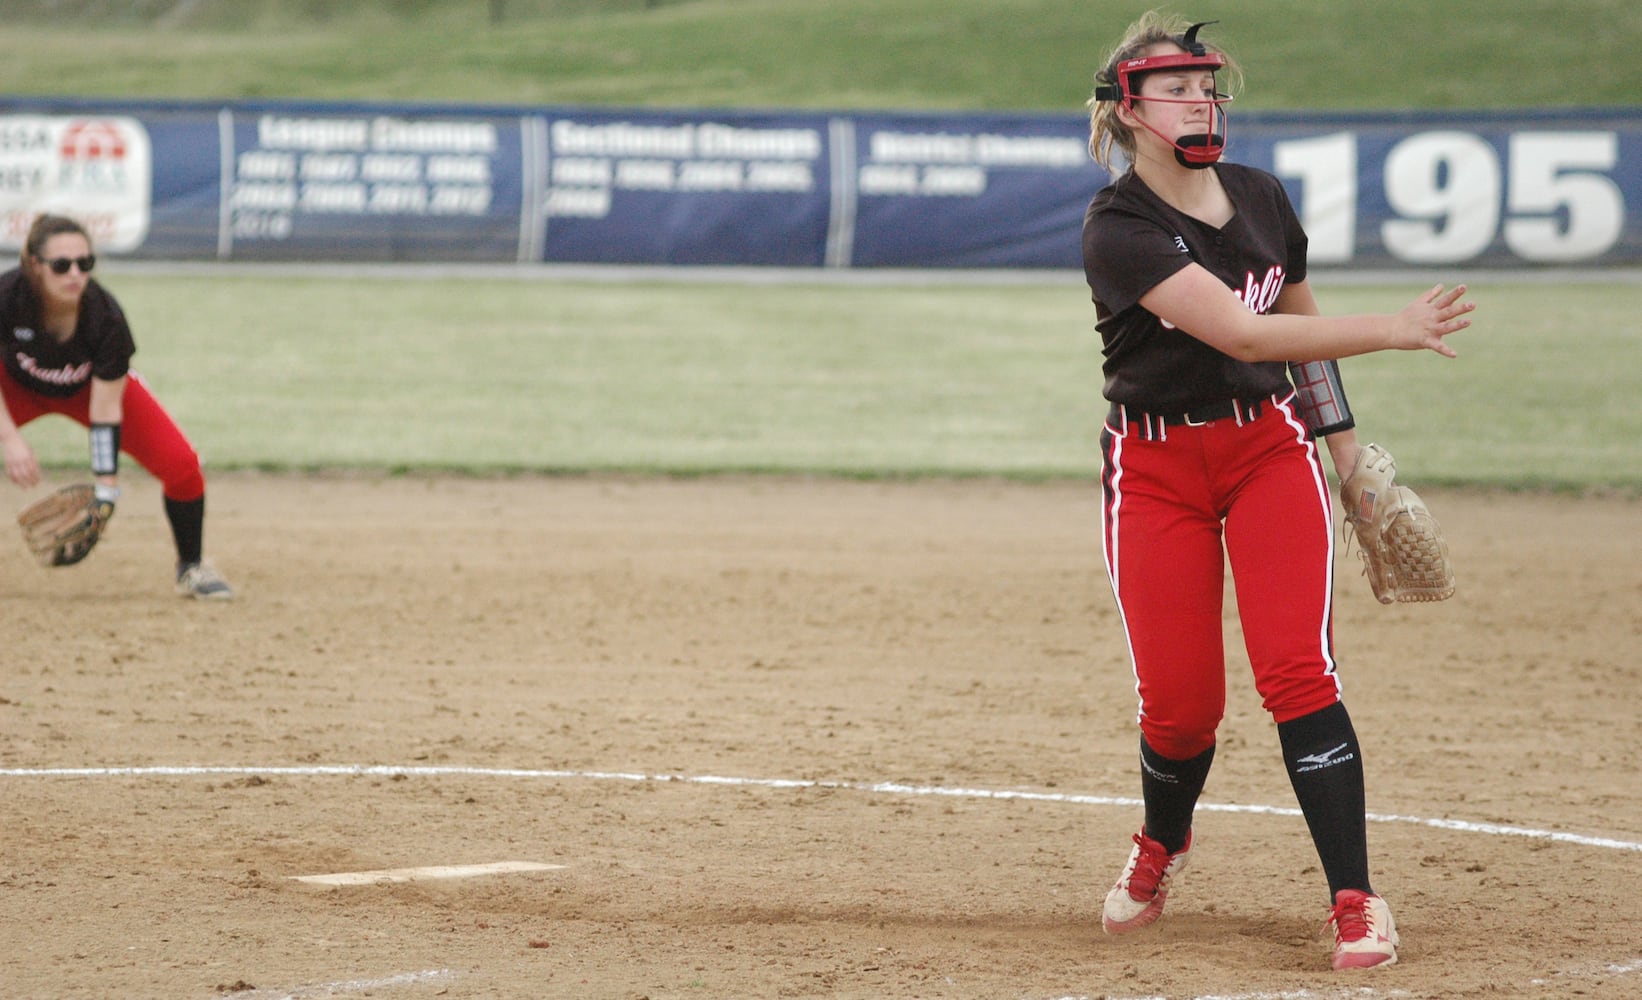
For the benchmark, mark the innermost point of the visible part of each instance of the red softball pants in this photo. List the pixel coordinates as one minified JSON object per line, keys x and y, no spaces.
{"x":147,"y":432}
{"x":1179,"y":504}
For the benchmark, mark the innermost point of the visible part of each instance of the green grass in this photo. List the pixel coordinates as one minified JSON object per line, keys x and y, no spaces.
{"x":914,"y":54}
{"x":1537,"y":398}
{"x":501,"y":375}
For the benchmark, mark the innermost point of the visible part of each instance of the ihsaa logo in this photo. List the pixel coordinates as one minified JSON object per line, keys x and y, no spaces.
{"x":97,"y":169}
{"x":93,"y":156}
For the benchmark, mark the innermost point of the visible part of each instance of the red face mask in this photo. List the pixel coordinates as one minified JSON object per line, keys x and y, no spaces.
{"x":1193,"y":151}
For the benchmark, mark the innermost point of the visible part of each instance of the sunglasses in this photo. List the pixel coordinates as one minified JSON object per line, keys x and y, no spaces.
{"x":60,"y":265}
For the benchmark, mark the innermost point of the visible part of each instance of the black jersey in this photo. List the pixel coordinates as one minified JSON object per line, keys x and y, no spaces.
{"x":101,"y":346}
{"x":1133,"y":240}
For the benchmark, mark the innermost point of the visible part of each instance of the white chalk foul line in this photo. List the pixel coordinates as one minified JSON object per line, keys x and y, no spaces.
{"x":424,"y":873}
{"x":876,"y":788}
{"x":1342,"y":993}
{"x":344,"y":988}
{"x":1610,"y":970}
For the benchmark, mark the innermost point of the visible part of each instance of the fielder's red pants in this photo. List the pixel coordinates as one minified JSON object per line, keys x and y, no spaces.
{"x":147,"y":432}
{"x":1179,"y":503}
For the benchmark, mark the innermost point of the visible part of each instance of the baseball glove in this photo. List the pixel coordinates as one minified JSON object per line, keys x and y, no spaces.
{"x":1402,"y":548}
{"x":63,"y":528}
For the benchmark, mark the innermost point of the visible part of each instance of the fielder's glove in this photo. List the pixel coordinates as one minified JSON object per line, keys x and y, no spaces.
{"x":63,"y":528}
{"x":1402,"y":548}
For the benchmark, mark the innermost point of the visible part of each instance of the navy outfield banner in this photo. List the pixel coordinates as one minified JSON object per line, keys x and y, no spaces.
{"x":291,"y":181}
{"x":660,"y":187}
{"x":1537,"y":187}
{"x":370,"y":185}
{"x":967,"y":191}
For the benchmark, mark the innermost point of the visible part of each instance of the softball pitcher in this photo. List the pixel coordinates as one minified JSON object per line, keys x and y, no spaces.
{"x":1198,"y":274}
{"x":68,"y":351}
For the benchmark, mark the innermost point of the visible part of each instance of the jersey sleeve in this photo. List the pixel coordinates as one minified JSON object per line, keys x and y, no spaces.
{"x":111,"y":344}
{"x":1295,"y":240}
{"x":1126,"y":256}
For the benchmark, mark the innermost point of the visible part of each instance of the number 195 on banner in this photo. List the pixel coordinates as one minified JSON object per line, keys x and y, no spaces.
{"x":1450,"y":195}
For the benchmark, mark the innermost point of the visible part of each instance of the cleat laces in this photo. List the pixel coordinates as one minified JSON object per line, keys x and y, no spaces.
{"x":1349,"y":918}
{"x":1149,"y":867}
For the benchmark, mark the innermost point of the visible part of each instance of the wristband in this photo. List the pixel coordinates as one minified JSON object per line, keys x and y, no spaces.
{"x":1320,"y":397}
{"x":105,"y":449}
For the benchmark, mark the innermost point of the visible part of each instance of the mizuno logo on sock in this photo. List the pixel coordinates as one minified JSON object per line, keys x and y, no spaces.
{"x":1172,"y":779}
{"x":1328,"y":758}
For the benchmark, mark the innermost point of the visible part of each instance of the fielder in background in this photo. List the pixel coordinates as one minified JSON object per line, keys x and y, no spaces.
{"x":68,"y":351}
{"x":1197,"y":269}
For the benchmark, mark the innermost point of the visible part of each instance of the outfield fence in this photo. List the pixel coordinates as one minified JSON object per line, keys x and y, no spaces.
{"x":303,"y":181}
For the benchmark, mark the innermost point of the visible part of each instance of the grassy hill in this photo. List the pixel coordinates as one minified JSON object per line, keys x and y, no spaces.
{"x":913,"y":54}
{"x":657,"y":377}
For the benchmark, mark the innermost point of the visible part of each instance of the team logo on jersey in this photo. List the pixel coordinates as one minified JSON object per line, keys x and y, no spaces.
{"x":1260,"y":295}
{"x":23,"y":334}
{"x":66,"y":375}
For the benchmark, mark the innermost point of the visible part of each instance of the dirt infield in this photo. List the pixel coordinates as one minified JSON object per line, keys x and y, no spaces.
{"x":787,"y":738}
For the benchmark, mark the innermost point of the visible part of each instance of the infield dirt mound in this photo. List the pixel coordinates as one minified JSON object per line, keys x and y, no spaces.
{"x":540,"y":646}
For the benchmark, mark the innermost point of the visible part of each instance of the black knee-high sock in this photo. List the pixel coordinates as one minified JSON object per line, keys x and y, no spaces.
{"x":1325,"y":766}
{"x":1171,"y":788}
{"x":187,"y":519}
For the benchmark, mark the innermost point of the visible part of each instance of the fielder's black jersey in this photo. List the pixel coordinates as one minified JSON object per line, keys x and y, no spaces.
{"x":1133,"y":240}
{"x":101,"y":346}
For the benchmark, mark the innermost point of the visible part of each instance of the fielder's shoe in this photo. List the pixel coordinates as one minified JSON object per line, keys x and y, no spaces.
{"x":1137,"y":899}
{"x":1364,"y":933}
{"x":202,"y":582}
